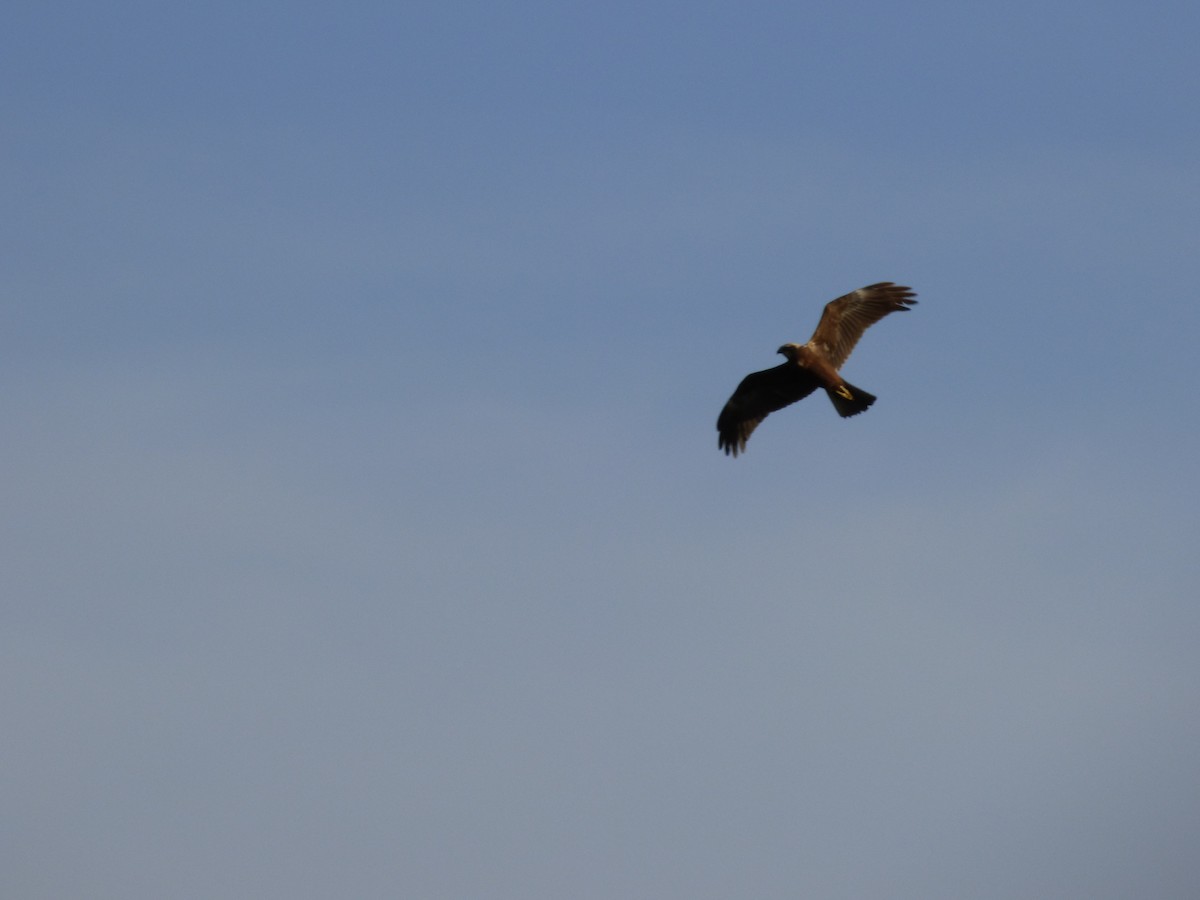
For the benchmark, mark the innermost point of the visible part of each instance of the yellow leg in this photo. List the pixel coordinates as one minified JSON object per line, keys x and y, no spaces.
{"x":844,"y":391}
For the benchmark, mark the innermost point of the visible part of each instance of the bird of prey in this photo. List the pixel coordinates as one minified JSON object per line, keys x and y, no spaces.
{"x":812,"y":365}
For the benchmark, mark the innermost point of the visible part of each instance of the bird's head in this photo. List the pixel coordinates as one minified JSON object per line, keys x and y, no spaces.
{"x":789,"y":351}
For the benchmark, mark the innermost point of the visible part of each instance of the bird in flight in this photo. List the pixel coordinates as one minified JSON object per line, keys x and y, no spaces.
{"x":812,"y":365}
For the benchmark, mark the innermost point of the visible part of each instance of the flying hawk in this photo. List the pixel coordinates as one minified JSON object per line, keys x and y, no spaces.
{"x":812,"y":365}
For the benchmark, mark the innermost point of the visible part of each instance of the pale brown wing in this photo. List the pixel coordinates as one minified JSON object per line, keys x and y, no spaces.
{"x":759,"y":395}
{"x":846,"y":318}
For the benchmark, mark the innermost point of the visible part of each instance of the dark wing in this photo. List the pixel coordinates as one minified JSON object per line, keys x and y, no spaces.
{"x":756,"y":397}
{"x":846,"y":318}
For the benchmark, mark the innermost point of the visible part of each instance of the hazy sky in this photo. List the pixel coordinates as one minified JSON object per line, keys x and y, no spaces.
{"x":365,"y":532}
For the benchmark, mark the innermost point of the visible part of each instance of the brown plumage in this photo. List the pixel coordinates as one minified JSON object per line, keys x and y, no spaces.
{"x":812,"y":365}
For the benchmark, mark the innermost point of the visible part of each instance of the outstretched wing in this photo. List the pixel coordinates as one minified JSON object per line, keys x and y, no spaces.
{"x":759,"y":395}
{"x":846,"y":318}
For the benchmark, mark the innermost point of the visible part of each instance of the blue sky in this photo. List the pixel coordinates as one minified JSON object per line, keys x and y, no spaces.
{"x":365,"y":532}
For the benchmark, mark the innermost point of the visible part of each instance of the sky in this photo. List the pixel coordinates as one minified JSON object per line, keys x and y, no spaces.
{"x":364,"y":528}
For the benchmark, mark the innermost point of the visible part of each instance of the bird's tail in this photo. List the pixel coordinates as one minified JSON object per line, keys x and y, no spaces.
{"x":849,"y":400}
